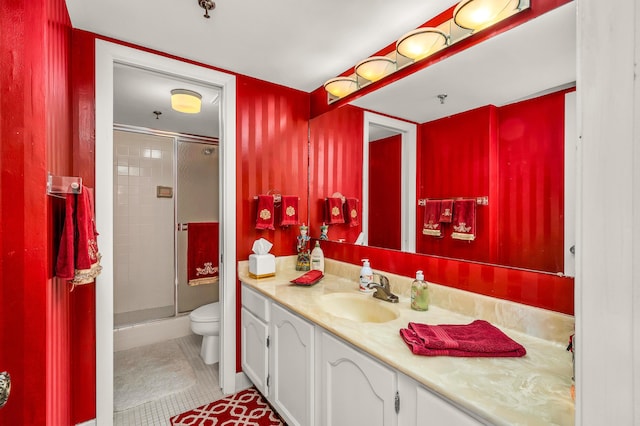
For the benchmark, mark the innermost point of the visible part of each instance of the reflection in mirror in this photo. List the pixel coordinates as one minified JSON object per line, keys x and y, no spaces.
{"x":501,"y":133}
{"x":389,"y":183}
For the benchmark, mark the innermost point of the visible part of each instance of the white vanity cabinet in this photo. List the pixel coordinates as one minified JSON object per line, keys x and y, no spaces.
{"x":255,"y":332}
{"x":278,"y":356}
{"x":356,"y":389}
{"x":291,"y":366}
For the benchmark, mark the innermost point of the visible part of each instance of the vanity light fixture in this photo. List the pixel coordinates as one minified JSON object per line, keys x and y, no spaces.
{"x":340,"y":87}
{"x":420,"y":43}
{"x":478,"y":14}
{"x":187,"y":101}
{"x":374,"y":68}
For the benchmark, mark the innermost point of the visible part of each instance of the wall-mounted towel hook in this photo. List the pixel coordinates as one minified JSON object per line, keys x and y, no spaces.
{"x":58,"y":186}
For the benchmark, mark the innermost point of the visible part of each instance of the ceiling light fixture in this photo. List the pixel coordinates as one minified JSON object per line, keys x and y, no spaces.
{"x":340,"y":87}
{"x":478,"y":14}
{"x":420,"y":43}
{"x":374,"y":68}
{"x":187,"y":101}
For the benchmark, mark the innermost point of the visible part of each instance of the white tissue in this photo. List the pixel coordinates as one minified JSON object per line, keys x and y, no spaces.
{"x":261,"y":246}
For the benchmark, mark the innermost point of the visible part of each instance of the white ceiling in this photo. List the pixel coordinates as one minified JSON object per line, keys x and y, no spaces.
{"x":301,"y":44}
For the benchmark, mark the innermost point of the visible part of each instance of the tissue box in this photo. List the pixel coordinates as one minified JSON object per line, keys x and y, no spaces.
{"x":262,"y":265}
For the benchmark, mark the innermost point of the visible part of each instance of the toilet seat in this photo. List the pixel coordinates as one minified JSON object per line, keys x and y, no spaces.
{"x":206,"y":313}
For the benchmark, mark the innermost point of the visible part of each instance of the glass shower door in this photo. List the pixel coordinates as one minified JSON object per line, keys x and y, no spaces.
{"x":197,"y":201}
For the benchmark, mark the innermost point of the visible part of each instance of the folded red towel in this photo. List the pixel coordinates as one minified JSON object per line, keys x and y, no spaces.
{"x":202,"y":253}
{"x":446,"y":211}
{"x":431,"y":225}
{"x":265,"y":212}
{"x":289,"y":210}
{"x":309,"y":278}
{"x":352,"y":211}
{"x":477,"y":339}
{"x":464,"y":220}
{"x":334,"y":211}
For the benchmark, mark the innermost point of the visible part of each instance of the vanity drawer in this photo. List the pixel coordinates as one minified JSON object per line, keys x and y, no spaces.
{"x":256,"y":303}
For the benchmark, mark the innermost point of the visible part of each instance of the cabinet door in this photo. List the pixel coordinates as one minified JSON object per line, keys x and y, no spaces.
{"x":356,"y":390}
{"x":254,"y":350}
{"x":420,"y":406}
{"x":291,"y":366}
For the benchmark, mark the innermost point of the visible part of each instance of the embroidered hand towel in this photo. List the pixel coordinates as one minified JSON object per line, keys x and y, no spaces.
{"x":464,"y":219}
{"x":477,"y":339}
{"x":202,"y":253}
{"x":446,"y":211}
{"x":289,"y":210}
{"x":352,"y":211}
{"x":334,"y":211}
{"x":265,"y":218}
{"x":431,"y":225}
{"x":78,"y":257}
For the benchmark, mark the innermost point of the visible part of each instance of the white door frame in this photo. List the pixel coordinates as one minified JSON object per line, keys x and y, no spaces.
{"x":106,"y":55}
{"x":408,"y":132}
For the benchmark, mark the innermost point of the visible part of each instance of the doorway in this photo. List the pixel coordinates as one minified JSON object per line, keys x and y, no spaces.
{"x":107,"y":56}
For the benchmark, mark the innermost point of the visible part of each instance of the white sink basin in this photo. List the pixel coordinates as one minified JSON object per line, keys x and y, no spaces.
{"x":357,"y":307}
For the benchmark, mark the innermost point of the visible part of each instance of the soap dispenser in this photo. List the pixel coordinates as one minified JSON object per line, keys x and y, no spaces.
{"x":317,"y":258}
{"x":366,"y":276}
{"x":419,"y":293}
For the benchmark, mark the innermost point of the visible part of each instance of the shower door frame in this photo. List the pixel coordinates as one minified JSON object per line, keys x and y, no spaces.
{"x":107,"y":54}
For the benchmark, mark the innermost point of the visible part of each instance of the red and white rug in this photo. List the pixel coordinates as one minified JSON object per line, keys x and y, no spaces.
{"x":245,"y":408}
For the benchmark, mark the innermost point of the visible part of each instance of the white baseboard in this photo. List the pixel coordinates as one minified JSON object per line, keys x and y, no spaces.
{"x":242,"y":382}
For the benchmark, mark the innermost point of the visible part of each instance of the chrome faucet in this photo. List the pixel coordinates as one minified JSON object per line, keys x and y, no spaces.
{"x":383,"y":290}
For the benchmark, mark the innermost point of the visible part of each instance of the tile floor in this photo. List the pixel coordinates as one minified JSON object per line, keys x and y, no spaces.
{"x":157,"y":413}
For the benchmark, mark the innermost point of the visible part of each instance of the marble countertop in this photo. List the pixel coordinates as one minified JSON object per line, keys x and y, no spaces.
{"x":531,"y":390}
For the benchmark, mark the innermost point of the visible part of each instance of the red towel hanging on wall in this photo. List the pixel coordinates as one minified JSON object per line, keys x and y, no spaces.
{"x":78,"y":257}
{"x":431,"y":224}
{"x":289,"y":210}
{"x":335,"y":214}
{"x":464,"y":219}
{"x":202,"y":253}
{"x":265,"y":218}
{"x":446,"y":211}
{"x":352,"y":211}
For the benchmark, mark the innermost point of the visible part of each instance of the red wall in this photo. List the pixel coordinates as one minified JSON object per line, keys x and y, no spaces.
{"x":548,"y":291}
{"x":335,"y":165}
{"x":385,"y":192}
{"x":271,"y":154}
{"x":35,"y":138}
{"x":454,"y":161}
{"x":531,"y":183}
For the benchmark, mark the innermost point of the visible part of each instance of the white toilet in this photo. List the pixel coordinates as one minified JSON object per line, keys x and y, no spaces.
{"x":205,"y":321}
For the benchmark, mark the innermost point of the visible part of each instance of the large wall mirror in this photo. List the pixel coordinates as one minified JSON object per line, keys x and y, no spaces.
{"x":494,"y":122}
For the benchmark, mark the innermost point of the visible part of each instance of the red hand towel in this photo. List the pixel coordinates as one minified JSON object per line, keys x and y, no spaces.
{"x":446,"y":211}
{"x":352,"y":211}
{"x":464,"y":220}
{"x":289,"y":210}
{"x":334,"y":211}
{"x":265,"y":212}
{"x":78,"y":257}
{"x":431,"y":225}
{"x":202,"y":253}
{"x":477,"y":339}
{"x":309,"y":278}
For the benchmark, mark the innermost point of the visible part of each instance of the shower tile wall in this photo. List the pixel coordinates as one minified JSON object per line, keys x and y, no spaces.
{"x":144,"y":227}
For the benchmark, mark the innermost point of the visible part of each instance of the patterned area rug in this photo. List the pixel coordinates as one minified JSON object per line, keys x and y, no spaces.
{"x":244,"y":408}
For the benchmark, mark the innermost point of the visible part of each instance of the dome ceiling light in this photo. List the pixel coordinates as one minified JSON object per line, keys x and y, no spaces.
{"x":420,"y":43}
{"x":187,"y":101}
{"x":478,"y":14}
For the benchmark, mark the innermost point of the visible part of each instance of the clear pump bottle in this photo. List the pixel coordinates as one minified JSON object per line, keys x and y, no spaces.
{"x":419,"y":293}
